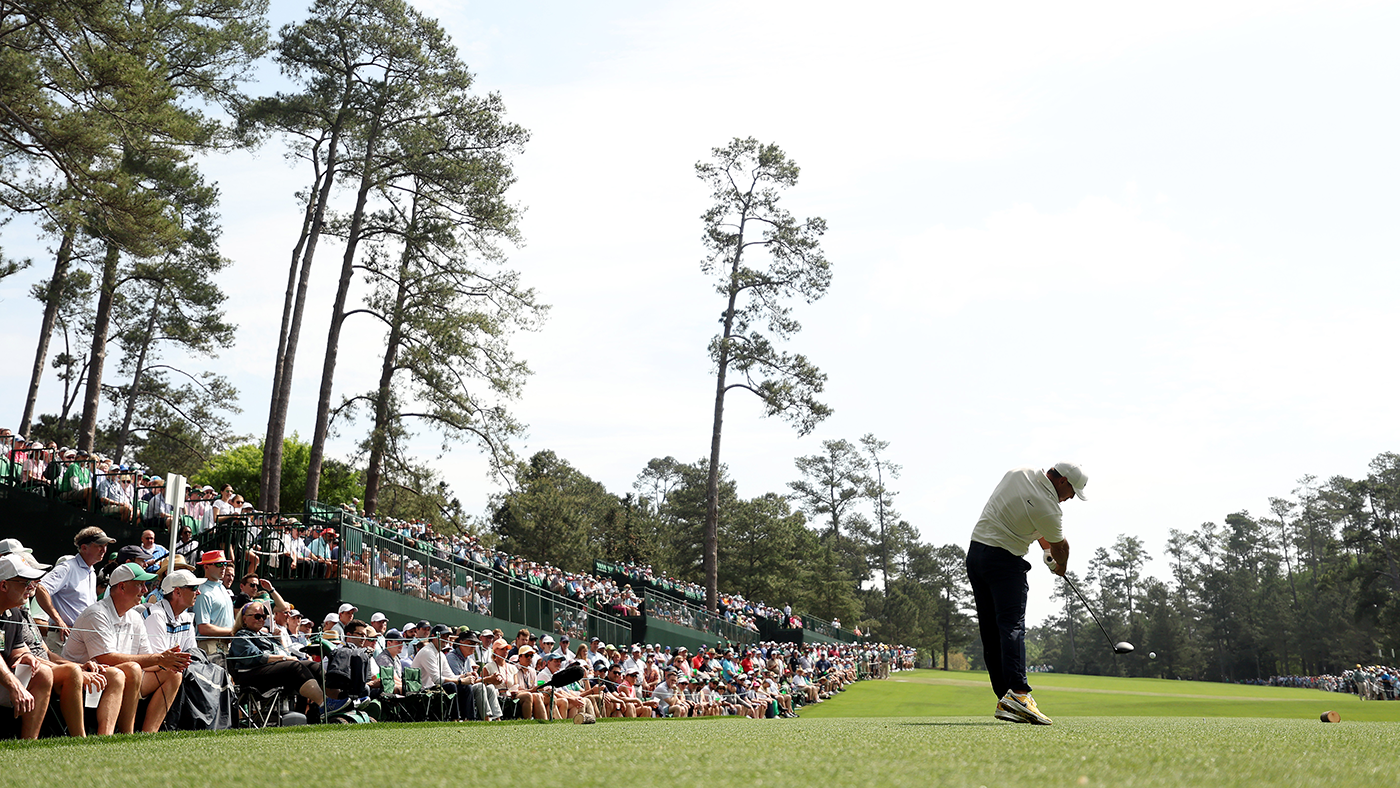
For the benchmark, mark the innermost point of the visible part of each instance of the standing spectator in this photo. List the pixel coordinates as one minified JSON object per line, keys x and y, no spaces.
{"x":111,"y":632}
{"x":213,"y":609}
{"x":72,"y":585}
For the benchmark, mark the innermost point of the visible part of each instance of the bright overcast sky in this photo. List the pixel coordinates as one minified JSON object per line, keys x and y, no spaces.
{"x":1155,"y":239}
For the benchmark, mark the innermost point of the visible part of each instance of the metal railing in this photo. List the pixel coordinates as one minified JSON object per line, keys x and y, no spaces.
{"x":674,"y":611}
{"x":379,"y":557}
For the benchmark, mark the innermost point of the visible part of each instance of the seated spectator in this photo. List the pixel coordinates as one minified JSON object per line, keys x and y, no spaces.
{"x":159,"y":513}
{"x":255,"y":589}
{"x":256,"y":660}
{"x":72,"y":585}
{"x":186,"y":546}
{"x":113,"y":498}
{"x":70,"y":680}
{"x":668,"y":697}
{"x":461,"y":659}
{"x":24,"y":681}
{"x":151,"y":552}
{"x":112,"y":632}
{"x":389,"y":658}
{"x":76,"y":485}
{"x":437,"y":671}
{"x":170,"y":620}
{"x":568,"y":701}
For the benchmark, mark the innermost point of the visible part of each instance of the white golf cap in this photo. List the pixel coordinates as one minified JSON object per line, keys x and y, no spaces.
{"x":8,"y":546}
{"x":1076,"y":477}
{"x":13,"y":566}
{"x":329,"y":618}
{"x":180,"y":578}
{"x":378,"y":617}
{"x":347,"y":608}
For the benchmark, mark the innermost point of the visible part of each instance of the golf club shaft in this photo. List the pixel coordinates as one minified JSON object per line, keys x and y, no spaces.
{"x":1087,"y":607}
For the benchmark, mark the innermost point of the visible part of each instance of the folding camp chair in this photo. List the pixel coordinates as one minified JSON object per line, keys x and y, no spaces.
{"x":260,"y":708}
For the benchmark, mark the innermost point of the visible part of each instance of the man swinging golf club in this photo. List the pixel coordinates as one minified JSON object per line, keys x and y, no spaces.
{"x":1024,"y":508}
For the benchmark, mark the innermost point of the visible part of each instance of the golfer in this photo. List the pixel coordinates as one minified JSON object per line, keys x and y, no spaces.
{"x":1025,"y":507}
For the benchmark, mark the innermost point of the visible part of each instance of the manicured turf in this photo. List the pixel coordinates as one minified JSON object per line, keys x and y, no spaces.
{"x":921,"y":729}
{"x":936,"y":693}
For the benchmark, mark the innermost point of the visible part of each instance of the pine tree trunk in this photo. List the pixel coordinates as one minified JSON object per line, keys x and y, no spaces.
{"x":92,"y":397}
{"x":347,"y":272}
{"x":379,"y":435}
{"x":41,"y":354}
{"x":136,"y":376}
{"x":712,"y":482}
{"x":271,"y":477}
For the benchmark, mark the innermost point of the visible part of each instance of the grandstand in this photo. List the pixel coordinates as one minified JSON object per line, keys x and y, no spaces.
{"x":381,"y":569}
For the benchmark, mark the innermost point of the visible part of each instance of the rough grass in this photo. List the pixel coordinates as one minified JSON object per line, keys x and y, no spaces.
{"x":923,"y":729}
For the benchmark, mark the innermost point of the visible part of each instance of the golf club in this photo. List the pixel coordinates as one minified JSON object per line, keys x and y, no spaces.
{"x":1122,"y":646}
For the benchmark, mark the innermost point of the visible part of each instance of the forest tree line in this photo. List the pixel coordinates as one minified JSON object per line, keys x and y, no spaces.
{"x":1311,"y":587}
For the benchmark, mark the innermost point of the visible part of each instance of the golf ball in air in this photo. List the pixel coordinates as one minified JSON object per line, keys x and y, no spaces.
{"x":1151,"y":655}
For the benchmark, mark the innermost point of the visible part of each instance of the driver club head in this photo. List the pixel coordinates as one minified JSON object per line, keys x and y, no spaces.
{"x":1122,"y":647}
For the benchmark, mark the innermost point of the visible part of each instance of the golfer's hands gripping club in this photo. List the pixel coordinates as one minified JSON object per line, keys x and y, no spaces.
{"x":1049,"y":550}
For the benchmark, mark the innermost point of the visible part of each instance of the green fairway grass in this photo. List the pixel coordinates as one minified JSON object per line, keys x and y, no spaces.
{"x":923,"y":728}
{"x":954,"y":693}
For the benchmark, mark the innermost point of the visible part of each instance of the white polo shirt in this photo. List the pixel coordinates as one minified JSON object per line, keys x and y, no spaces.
{"x":1022,"y":509}
{"x":99,"y":630}
{"x":165,"y":629}
{"x":73,"y":587}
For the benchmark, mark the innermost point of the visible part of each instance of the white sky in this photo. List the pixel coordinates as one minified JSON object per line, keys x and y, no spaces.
{"x":1155,"y":239}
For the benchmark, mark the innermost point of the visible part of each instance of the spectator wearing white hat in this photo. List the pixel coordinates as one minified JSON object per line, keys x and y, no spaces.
{"x":25,"y":682}
{"x":344,"y":615}
{"x":69,"y":679}
{"x":170,"y":620}
{"x":111,"y":632}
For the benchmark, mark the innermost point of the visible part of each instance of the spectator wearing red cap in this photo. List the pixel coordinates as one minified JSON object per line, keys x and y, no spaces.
{"x":112,"y":632}
{"x":213,"y":609}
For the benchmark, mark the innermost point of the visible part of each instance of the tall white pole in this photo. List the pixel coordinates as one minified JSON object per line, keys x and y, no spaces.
{"x":175,"y":496}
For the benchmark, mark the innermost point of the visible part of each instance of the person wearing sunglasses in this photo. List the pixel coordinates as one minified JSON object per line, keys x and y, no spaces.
{"x":257,"y":659}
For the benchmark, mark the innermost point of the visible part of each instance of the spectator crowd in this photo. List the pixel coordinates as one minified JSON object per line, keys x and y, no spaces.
{"x":1372,"y":682}
{"x":105,"y":640}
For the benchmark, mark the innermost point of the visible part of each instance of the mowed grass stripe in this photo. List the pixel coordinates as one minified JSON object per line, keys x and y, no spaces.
{"x":876,"y":752}
{"x":969,"y":694}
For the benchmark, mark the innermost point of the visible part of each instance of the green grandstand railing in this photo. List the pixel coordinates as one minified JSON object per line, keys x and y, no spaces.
{"x":676,"y":612}
{"x":379,"y":557}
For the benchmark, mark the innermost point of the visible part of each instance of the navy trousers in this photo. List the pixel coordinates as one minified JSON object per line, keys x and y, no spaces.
{"x":999,"y":589}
